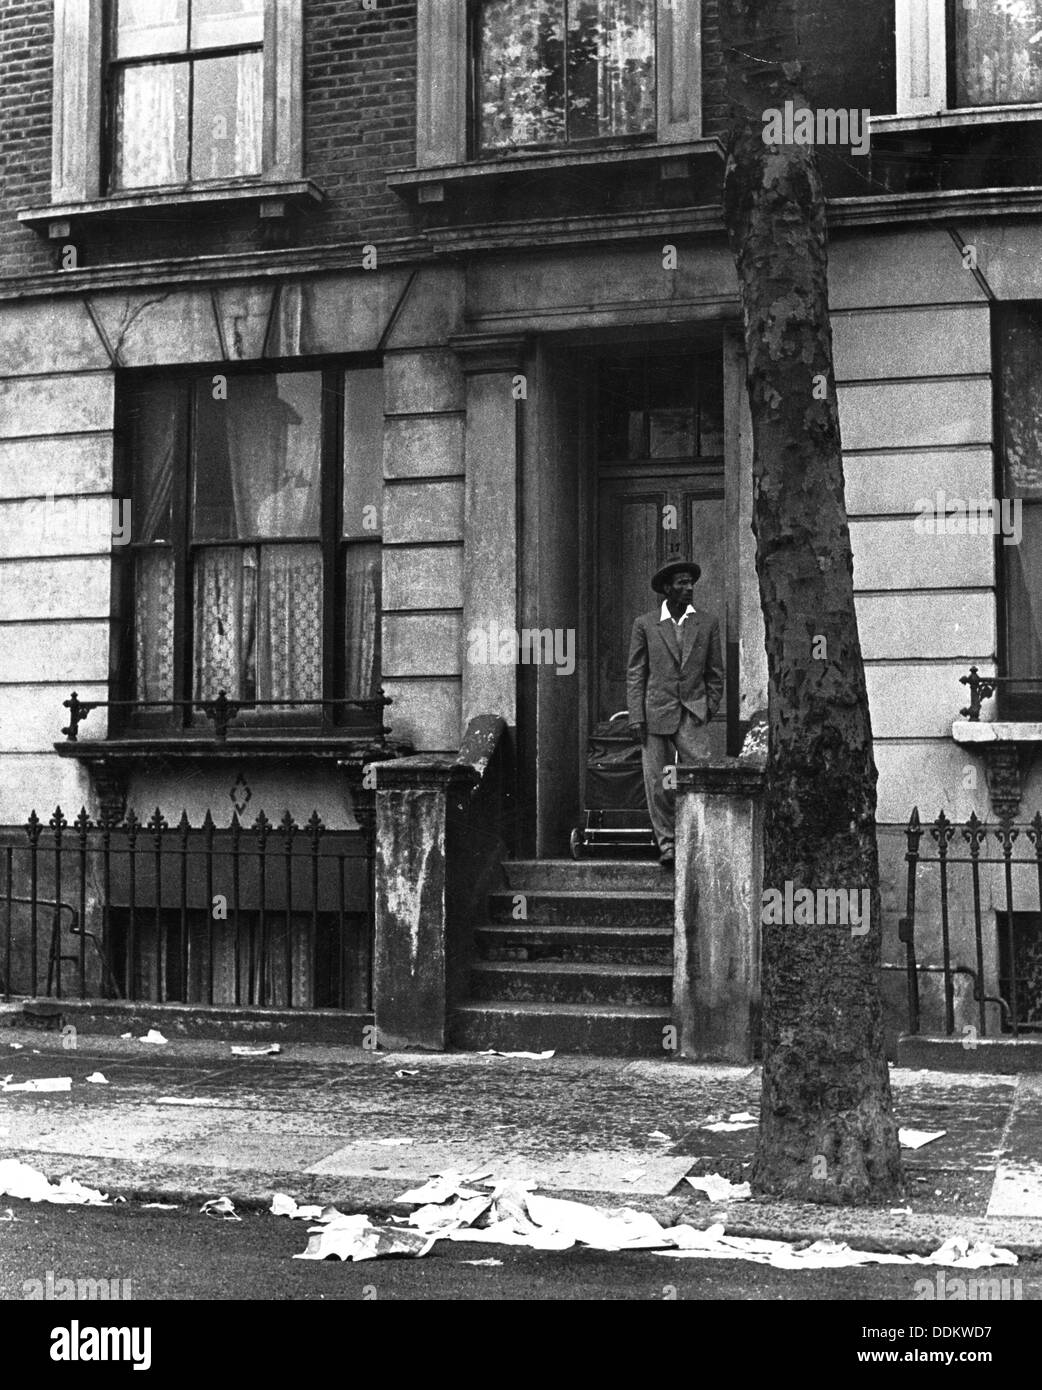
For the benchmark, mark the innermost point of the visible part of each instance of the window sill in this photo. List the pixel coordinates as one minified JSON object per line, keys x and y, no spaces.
{"x":266,"y":747}
{"x":970,"y":733}
{"x":963,"y":116}
{"x":272,"y":200}
{"x":428,"y":184}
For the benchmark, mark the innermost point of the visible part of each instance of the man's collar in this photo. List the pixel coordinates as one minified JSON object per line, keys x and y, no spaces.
{"x":665,"y":613}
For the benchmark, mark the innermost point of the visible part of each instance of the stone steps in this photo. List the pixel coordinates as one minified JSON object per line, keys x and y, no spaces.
{"x":608,"y":1030}
{"x":571,"y":982}
{"x":588,"y":968}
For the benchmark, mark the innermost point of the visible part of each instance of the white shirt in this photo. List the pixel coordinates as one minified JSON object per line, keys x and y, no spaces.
{"x":688,"y":612}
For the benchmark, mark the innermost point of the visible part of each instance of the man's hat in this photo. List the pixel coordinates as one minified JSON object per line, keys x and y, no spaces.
{"x":661,"y":577}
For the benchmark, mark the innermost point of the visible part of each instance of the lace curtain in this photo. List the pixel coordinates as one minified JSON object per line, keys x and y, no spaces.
{"x":155,"y":439}
{"x":998,"y":52}
{"x":1021,"y":355}
{"x":152,"y":126}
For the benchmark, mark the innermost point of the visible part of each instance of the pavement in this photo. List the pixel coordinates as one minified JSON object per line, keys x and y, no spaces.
{"x":188,"y":1120}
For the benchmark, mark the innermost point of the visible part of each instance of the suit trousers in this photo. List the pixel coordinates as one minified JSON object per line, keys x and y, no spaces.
{"x":691,"y":742}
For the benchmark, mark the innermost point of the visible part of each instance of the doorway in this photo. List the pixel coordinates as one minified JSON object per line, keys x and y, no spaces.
{"x":658,"y":484}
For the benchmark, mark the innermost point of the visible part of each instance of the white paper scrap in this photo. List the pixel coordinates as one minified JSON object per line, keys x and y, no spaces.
{"x":19,"y":1180}
{"x":271,"y":1050}
{"x":98,"y":1078}
{"x":153,"y":1036}
{"x":719,"y":1189}
{"x":916,"y":1139}
{"x":44,"y":1083}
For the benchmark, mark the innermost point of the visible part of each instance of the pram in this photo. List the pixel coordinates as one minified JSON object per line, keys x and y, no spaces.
{"x":616,"y":819}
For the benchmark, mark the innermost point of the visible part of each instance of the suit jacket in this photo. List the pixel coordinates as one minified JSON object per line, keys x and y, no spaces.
{"x":664,"y":676}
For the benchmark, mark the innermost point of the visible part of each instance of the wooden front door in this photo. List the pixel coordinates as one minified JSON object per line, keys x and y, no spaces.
{"x":659,"y":496}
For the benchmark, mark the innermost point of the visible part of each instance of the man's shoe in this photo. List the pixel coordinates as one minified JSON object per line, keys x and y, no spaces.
{"x":667,"y":859}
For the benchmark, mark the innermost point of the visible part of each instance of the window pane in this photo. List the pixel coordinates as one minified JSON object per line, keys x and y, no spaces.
{"x":227,"y":105}
{"x":257,"y":467}
{"x":521,"y":76}
{"x":363,"y":452}
{"x":289,"y":623}
{"x":154,"y":625}
{"x":258,"y":622}
{"x":220,"y":23}
{"x":362,"y":622}
{"x":152,"y":126}
{"x":155,"y":428}
{"x":1021,"y":348}
{"x":225,"y":622}
{"x":611,"y":68}
{"x":998,"y":52}
{"x":151,"y":26}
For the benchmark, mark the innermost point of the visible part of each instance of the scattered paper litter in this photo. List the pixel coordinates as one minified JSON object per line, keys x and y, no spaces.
{"x":535,"y":1056}
{"x":358,"y":1238}
{"x":900,"y":1211}
{"x":16,"y":1047}
{"x":719,"y":1189}
{"x":270,"y":1051}
{"x":220,"y":1206}
{"x":98,"y":1078}
{"x":284,"y":1205}
{"x":158,"y":1206}
{"x":716,"y":1124}
{"x":152,"y":1036}
{"x":8,"y":1215}
{"x":490,"y":1262}
{"x":441,"y":1188}
{"x":44,"y":1083}
{"x":19,"y":1180}
{"x":403,"y":1072}
{"x":916,"y":1138}
{"x":126,"y":1035}
{"x":392,"y":1143}
{"x":657,"y":1134}
{"x":957,"y":1253}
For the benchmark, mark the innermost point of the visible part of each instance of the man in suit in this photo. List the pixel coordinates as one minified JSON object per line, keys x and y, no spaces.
{"x":674,"y":684}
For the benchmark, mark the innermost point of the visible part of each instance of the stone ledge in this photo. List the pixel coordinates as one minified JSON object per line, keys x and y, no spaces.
{"x":732,"y":778}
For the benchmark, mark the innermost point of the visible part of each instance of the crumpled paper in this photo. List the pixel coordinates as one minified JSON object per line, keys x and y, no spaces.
{"x":741,"y":1119}
{"x":221,"y":1206}
{"x":18,"y":1179}
{"x":284,"y":1205}
{"x":357,"y":1238}
{"x":533,"y":1056}
{"x":153,"y":1036}
{"x":43,"y":1083}
{"x":719,"y":1189}
{"x":271,"y":1050}
{"x":98,"y":1078}
{"x":955,"y":1253}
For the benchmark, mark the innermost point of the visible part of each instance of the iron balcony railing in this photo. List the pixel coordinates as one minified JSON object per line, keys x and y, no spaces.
{"x":984,"y":687}
{"x":1007,"y":949}
{"x":222,"y":710}
{"x":276,"y":915}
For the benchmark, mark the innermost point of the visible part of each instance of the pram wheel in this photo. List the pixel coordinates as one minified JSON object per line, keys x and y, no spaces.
{"x":576,"y":843}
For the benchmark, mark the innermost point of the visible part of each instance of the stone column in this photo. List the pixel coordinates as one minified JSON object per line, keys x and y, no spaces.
{"x":491,"y":364}
{"x":719,"y":885}
{"x":409,"y":951}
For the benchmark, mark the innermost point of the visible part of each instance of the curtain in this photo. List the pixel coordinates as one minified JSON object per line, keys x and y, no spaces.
{"x":626,"y":67}
{"x":362,"y":620}
{"x":290,"y":623}
{"x":225,"y":622}
{"x":998,"y":52}
{"x":249,"y":121}
{"x":155,"y":441}
{"x":152,"y":125}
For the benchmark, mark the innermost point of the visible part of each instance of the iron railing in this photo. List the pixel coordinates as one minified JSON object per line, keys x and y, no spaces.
{"x":1004,"y":949}
{"x":276,"y":915}
{"x":222,"y":710}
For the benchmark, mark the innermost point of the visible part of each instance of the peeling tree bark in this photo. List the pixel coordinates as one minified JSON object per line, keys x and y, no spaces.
{"x":827,"y":1132}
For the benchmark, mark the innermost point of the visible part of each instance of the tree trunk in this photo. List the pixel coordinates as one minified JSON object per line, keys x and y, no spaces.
{"x":827,"y":1132}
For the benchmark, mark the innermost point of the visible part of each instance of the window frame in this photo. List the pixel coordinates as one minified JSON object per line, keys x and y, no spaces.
{"x":335,"y":548}
{"x":189,"y":57}
{"x":925,"y":60}
{"x":81,"y":148}
{"x":445,"y":53}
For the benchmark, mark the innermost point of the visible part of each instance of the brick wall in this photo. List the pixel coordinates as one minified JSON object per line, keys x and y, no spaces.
{"x":359,"y":107}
